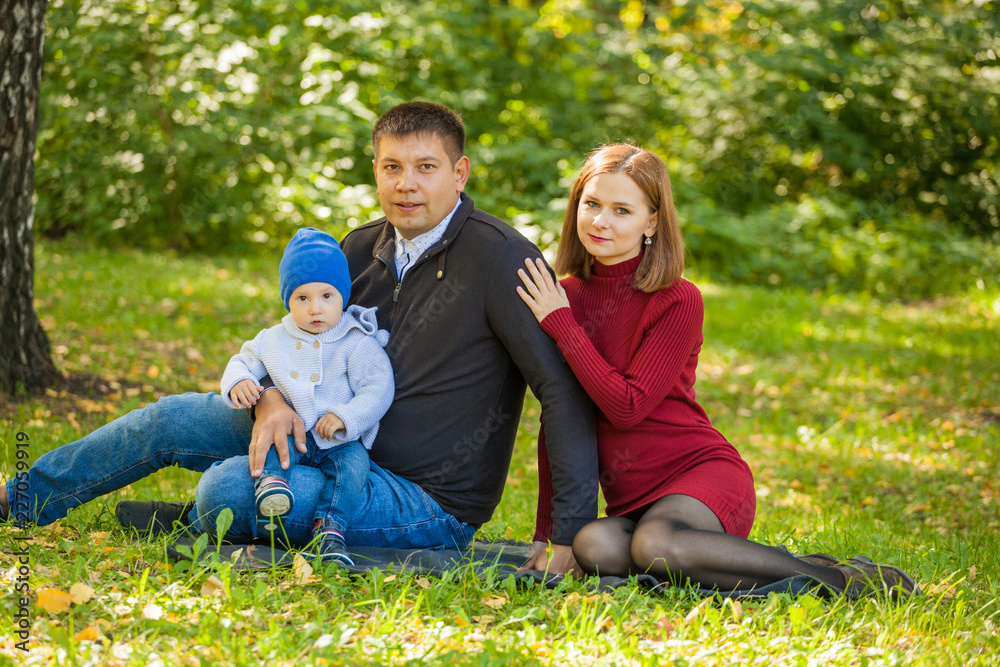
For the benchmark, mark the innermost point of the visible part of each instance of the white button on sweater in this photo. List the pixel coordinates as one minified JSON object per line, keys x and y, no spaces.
{"x":344,"y":371}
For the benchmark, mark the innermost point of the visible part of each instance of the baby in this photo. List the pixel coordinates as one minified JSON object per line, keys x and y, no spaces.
{"x":328,"y":363}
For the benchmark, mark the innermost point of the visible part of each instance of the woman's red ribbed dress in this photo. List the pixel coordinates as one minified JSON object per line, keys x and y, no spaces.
{"x":636,"y":355}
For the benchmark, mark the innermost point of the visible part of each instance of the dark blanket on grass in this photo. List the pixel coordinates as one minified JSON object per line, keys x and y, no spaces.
{"x":498,"y":559}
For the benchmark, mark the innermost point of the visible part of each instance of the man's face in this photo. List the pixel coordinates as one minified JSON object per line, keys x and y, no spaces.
{"x":417,"y":183}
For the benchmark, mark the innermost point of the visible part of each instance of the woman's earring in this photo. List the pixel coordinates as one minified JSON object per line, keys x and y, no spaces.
{"x":649,"y":240}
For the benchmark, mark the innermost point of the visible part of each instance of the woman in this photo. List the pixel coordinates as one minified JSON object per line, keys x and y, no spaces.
{"x":680,"y":500}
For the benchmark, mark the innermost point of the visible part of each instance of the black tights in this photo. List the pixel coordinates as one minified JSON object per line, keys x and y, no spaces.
{"x":680,"y":538}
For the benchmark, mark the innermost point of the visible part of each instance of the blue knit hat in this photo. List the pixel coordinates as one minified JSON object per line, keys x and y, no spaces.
{"x":313,"y":256}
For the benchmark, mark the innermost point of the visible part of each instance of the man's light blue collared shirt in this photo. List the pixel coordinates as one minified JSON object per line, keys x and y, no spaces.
{"x":408,"y":251}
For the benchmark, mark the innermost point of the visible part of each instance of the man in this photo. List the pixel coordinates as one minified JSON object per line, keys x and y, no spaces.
{"x":462,"y":344}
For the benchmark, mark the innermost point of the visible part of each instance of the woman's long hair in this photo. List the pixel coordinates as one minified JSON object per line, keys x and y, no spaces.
{"x":663,"y":260}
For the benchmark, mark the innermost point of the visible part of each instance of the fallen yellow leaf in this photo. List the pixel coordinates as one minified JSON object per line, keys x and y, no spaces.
{"x":90,"y":634}
{"x":668,"y":625}
{"x":213,"y":586}
{"x":495,"y":602}
{"x":692,"y":616}
{"x":942,"y":590}
{"x":540,"y":647}
{"x":81,"y":592}
{"x":301,"y":569}
{"x":54,"y":600}
{"x":90,"y":406}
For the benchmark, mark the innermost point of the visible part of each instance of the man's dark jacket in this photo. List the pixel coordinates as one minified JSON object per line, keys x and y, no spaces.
{"x":462,"y":344}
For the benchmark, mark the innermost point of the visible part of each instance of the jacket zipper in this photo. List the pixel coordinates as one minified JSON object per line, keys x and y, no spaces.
{"x":399,"y":283}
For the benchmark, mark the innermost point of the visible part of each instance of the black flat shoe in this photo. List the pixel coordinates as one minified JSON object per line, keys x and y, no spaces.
{"x":152,"y":517}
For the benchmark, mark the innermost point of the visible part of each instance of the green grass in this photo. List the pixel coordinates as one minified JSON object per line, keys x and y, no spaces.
{"x":872,"y":428}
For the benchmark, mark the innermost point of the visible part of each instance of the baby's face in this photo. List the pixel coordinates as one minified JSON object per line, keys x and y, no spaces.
{"x":316,"y":307}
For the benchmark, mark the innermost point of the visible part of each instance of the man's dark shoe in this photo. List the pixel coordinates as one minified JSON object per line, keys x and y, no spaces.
{"x":152,"y":517}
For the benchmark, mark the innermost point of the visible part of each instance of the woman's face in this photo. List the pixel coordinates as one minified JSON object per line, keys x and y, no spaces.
{"x":613,"y":218}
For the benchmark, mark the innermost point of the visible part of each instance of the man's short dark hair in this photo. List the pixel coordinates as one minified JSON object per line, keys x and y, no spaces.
{"x":419,"y":118}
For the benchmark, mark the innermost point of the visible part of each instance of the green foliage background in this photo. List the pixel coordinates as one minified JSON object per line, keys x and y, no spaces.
{"x":847,"y":144}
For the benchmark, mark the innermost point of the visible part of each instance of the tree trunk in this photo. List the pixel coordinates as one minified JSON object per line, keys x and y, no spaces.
{"x":25,"y":360}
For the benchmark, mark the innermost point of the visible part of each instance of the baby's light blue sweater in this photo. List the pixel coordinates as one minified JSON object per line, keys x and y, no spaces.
{"x":344,"y":371}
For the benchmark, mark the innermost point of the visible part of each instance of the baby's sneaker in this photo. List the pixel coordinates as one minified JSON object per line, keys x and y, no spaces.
{"x":331,"y":544}
{"x":273,"y":497}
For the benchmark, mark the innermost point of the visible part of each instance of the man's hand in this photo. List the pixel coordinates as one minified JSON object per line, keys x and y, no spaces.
{"x":329,"y":424}
{"x":245,"y":393}
{"x":275,"y":420}
{"x":561,"y":561}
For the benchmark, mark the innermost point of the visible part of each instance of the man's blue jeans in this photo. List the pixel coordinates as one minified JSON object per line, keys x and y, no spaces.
{"x":200,"y":432}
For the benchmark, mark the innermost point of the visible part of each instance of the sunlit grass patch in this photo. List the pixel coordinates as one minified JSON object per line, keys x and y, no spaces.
{"x":871,"y":427}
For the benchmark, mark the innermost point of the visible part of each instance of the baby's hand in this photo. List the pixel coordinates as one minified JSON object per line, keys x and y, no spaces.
{"x":329,"y":424}
{"x":245,"y":393}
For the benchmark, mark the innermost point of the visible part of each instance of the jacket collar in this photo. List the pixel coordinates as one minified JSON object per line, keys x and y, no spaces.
{"x":385,"y":245}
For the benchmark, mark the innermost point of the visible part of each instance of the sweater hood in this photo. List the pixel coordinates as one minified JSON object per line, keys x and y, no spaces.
{"x":354,"y":317}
